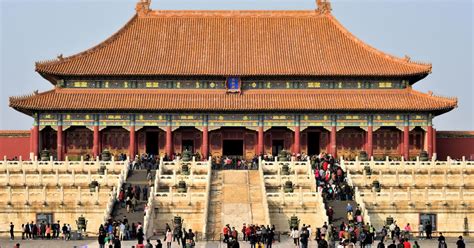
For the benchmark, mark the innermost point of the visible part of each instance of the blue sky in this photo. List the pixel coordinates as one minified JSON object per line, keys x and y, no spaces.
{"x":439,"y":32}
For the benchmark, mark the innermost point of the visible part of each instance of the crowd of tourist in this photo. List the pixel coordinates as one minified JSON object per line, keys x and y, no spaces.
{"x":255,"y":235}
{"x":234,"y":163}
{"x":43,"y":230}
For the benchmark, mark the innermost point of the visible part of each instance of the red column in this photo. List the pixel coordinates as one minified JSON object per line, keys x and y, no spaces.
{"x":31,"y":140}
{"x":333,"y":142}
{"x":429,"y":133}
{"x":35,"y":140}
{"x":406,"y":142}
{"x":132,"y":146}
{"x":169,"y":142}
{"x":434,"y":141}
{"x":296,"y":145}
{"x":59,"y":143}
{"x":370,"y":149}
{"x":95,"y":146}
{"x":260,"y":148}
{"x":205,"y":143}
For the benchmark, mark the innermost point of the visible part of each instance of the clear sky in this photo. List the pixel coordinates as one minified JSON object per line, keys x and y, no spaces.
{"x":439,"y":32}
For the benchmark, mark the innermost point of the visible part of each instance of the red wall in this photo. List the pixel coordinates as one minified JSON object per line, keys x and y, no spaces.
{"x":455,"y":144}
{"x":14,"y":144}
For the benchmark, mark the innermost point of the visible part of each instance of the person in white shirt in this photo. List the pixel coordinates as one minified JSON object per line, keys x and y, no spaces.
{"x":295,"y":235}
{"x":122,"y":231}
{"x":309,"y":232}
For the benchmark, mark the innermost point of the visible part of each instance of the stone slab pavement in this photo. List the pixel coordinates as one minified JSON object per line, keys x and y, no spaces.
{"x":92,"y":243}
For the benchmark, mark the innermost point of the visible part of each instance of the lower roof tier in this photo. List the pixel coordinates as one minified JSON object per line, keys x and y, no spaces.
{"x":61,"y":99}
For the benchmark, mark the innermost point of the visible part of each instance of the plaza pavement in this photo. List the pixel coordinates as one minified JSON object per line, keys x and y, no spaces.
{"x":92,"y":243}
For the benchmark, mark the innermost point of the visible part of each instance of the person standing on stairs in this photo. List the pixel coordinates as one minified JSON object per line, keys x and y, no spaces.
{"x":145,"y":193}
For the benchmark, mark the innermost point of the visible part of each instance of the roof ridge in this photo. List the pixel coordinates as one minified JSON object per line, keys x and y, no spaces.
{"x":107,"y":41}
{"x":407,"y":60}
{"x":232,"y":13}
{"x":26,"y":96}
{"x":448,"y":99}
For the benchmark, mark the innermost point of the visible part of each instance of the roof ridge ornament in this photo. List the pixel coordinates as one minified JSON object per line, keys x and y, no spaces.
{"x":143,"y":7}
{"x":324,"y":6}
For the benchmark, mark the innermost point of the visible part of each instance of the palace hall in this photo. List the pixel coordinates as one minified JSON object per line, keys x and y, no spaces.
{"x":233,"y":83}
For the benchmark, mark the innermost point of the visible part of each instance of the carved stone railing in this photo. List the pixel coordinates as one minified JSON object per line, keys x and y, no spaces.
{"x":264,"y":193}
{"x":207,"y":200}
{"x":61,"y":166}
{"x":148,"y":225}
{"x":116,"y":191}
{"x":388,"y":165}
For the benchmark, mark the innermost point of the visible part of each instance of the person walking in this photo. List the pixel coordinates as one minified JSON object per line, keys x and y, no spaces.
{"x":421,"y":230}
{"x":460,"y":243}
{"x":190,"y":238}
{"x":428,"y":230}
{"x":12,"y":228}
{"x":295,"y":235}
{"x":101,"y":240}
{"x":168,"y":238}
{"x":442,"y":241}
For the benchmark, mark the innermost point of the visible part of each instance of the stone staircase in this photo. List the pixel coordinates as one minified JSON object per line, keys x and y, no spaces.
{"x":214,"y":221}
{"x":135,"y":177}
{"x":340,"y":213}
{"x":256,"y":204}
{"x":236,"y":198}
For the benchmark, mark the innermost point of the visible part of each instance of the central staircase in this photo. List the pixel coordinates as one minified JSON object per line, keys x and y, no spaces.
{"x":236,"y":198}
{"x":340,"y":213}
{"x":136,"y":177}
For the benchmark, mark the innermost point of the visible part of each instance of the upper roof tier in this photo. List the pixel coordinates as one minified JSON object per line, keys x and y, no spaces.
{"x":233,"y":43}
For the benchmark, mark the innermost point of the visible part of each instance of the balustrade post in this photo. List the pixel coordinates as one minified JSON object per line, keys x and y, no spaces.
{"x":44,"y":195}
{"x":374,"y":197}
{"x":8,"y":177}
{"x":27,"y":195}
{"x":397,"y":177}
{"x":174,"y":178}
{"x":171,"y":195}
{"x":301,"y":195}
{"x":57,"y":176}
{"x":79,"y":195}
{"x":409,"y":194}
{"x":461,"y":194}
{"x":188,"y":195}
{"x":391,"y":194}
{"x":445,"y":175}
{"x":427,"y":195}
{"x":10,"y":195}
{"x":83,"y":166}
{"x":96,"y":195}
{"x":106,"y":178}
{"x":73,"y":176}
{"x":61,"y":193}
{"x":429,"y":177}
{"x":24,"y":177}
